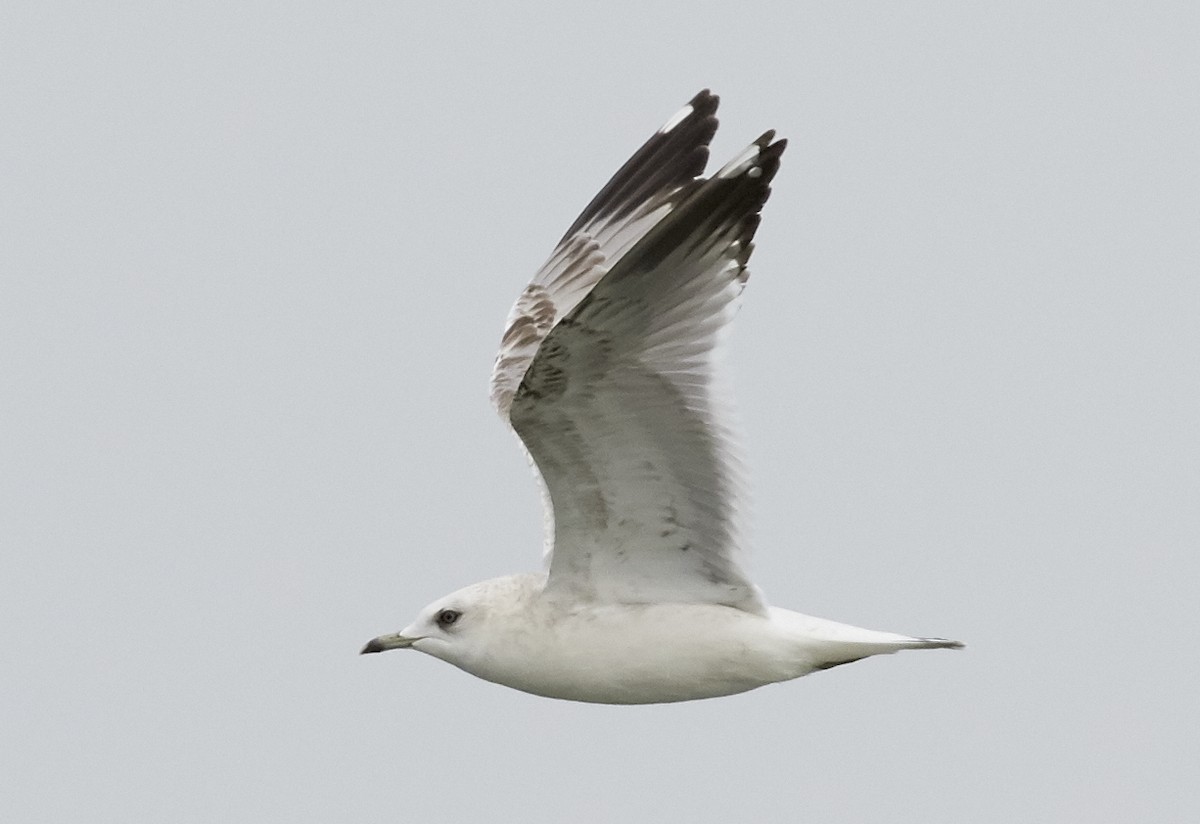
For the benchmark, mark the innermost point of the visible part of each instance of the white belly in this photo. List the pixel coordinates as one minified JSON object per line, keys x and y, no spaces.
{"x":645,"y":654}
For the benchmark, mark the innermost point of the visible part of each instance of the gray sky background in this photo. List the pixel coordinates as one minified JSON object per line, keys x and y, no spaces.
{"x":255,"y":259}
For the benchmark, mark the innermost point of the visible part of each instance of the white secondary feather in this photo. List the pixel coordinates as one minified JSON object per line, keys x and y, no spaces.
{"x":608,"y":371}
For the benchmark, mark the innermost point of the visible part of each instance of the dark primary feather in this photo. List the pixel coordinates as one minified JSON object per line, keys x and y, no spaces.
{"x":665,"y":161}
{"x":708,"y":214}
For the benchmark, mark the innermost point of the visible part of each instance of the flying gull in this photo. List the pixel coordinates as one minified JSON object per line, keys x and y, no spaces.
{"x":608,"y":372}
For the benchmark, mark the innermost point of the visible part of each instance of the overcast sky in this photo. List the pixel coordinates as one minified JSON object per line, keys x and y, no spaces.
{"x":255,"y":259}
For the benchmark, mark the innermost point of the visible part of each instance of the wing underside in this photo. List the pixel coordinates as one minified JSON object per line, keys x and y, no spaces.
{"x":608,"y":372}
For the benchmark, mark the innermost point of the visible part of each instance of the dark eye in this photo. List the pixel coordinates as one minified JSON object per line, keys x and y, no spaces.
{"x":447,"y":617}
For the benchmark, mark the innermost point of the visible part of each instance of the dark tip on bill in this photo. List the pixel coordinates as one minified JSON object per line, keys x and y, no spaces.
{"x":374,"y":645}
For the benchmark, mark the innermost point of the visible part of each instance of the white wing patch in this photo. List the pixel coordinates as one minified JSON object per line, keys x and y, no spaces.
{"x":677,"y":118}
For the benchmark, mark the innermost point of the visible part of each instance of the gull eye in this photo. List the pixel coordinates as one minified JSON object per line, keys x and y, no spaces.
{"x":447,"y":617}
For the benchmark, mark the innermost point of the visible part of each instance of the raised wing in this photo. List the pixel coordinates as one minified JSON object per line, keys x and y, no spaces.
{"x":607,"y":373}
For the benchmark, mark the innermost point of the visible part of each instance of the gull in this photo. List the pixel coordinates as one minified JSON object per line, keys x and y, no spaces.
{"x":608,"y":371}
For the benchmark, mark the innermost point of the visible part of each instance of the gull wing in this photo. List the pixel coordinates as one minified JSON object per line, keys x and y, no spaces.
{"x":607,"y":372}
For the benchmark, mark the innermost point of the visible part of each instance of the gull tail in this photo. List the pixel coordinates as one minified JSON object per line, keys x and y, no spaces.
{"x":933,"y":643}
{"x":847,"y":652}
{"x":830,"y":644}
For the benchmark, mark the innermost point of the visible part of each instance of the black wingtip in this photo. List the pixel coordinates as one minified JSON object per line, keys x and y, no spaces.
{"x":705,"y":102}
{"x":673,"y":156}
